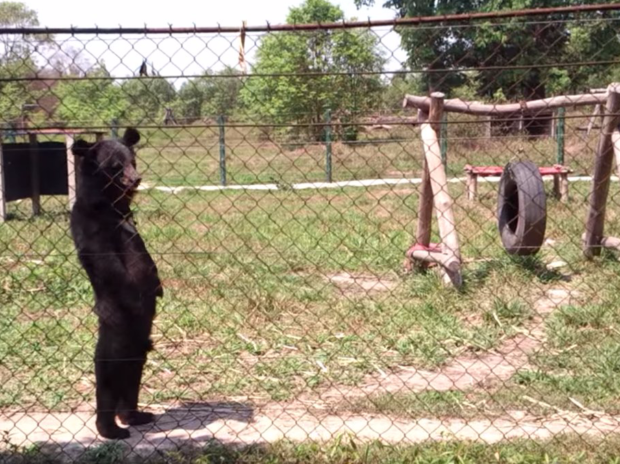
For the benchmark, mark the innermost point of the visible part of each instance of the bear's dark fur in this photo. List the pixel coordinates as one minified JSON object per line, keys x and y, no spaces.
{"x":123,"y":276}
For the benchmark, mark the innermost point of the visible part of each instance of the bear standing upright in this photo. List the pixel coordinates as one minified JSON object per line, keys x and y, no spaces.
{"x":122,"y":273}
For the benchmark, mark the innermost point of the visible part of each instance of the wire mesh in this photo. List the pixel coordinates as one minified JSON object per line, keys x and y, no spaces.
{"x":282,"y":184}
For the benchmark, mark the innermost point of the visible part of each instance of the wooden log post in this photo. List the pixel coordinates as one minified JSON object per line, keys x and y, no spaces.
{"x":472,"y":186}
{"x":430,"y":131}
{"x":564,"y":187}
{"x":425,"y":209}
{"x":425,"y":213}
{"x":456,"y":105}
{"x":612,"y":243}
{"x":427,"y":257}
{"x":425,"y":217}
{"x":556,"y":187}
{"x":3,"y":211}
{"x":71,"y":170}
{"x":595,"y":223}
{"x":615,"y":140}
{"x":35,"y":185}
{"x":597,"y":111}
{"x":425,"y":206}
{"x":488,"y":128}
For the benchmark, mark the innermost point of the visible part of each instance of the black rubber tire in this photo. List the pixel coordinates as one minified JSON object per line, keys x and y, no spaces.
{"x":522,"y":208}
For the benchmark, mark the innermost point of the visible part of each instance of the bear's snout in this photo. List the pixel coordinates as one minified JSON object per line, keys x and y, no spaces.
{"x":131,"y":179}
{"x":133,"y":182}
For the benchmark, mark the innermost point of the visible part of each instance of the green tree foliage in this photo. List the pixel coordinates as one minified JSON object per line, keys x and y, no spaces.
{"x":532,"y":46}
{"x":16,"y":47}
{"x":210,"y":95}
{"x":68,"y":61}
{"x":147,"y":98}
{"x":92,"y":102}
{"x":16,"y":60}
{"x":397,"y":87}
{"x":294,"y":88}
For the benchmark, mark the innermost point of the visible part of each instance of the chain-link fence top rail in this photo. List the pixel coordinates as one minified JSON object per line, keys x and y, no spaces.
{"x":281,"y":186}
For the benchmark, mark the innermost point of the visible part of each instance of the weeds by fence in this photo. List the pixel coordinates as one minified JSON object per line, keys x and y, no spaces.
{"x":278,"y":204}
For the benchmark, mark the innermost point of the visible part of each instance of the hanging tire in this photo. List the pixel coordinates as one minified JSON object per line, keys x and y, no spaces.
{"x":522,"y":208}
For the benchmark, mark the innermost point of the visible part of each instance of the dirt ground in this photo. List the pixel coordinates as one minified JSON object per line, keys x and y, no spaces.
{"x":311,"y":416}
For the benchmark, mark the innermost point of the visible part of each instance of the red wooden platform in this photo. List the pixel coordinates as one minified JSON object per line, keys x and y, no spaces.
{"x":486,"y":171}
{"x":559,"y":173}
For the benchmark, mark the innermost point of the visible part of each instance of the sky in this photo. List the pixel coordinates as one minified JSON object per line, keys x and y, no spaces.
{"x":183,"y":55}
{"x":178,"y":12}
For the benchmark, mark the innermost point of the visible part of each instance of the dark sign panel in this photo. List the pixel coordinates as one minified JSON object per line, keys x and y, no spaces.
{"x":52,"y":169}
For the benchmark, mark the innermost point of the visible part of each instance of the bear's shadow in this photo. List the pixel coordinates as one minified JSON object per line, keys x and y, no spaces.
{"x":183,"y":426}
{"x":196,"y":416}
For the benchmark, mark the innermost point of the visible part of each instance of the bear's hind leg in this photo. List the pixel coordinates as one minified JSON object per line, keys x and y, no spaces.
{"x":108,"y":375}
{"x":127,"y":410}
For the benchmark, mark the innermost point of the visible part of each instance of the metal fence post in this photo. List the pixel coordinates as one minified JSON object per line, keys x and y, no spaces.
{"x":444,"y":139}
{"x":328,"y":146}
{"x":560,"y":134}
{"x":220,"y":122}
{"x":35,"y":174}
{"x":114,"y":128}
{"x":8,"y":132}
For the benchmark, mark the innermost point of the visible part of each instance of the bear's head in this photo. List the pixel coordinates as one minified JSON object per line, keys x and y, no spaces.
{"x":108,"y":167}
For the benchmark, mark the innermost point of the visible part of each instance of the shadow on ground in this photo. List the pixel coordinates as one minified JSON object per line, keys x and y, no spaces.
{"x":57,"y":437}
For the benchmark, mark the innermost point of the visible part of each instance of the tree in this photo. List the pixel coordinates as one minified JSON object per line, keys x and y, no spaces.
{"x":397,"y":87}
{"x":210,"y":95}
{"x":16,"y":46}
{"x":147,"y":98}
{"x":69,"y":61}
{"x":298,"y":76}
{"x":92,"y":101}
{"x":16,"y":60}
{"x":519,"y":52}
{"x":591,"y":41}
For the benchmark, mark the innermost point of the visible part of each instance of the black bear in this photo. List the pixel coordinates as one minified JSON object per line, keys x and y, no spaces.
{"x":123,"y":275}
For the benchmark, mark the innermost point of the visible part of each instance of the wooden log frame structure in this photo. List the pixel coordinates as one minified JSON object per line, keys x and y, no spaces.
{"x":387,"y":123}
{"x":435,"y":193}
{"x":430,"y":111}
{"x":457,"y":105}
{"x":596,"y":114}
{"x":608,"y":147}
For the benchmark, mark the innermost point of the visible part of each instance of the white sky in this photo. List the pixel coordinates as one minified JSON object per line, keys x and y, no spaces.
{"x":183,"y":55}
{"x":178,"y":12}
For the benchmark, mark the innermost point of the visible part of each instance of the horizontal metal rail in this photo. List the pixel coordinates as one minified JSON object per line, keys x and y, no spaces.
{"x":415,"y":21}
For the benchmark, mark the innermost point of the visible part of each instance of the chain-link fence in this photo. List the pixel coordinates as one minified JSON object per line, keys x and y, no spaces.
{"x":283,"y":183}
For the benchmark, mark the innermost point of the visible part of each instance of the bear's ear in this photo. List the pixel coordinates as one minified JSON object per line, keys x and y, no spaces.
{"x":131,"y":137}
{"x":81,"y":148}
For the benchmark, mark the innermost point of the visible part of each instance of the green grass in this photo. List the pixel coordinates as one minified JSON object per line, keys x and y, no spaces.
{"x":191,"y":155}
{"x":249,"y":309}
{"x":343,"y":450}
